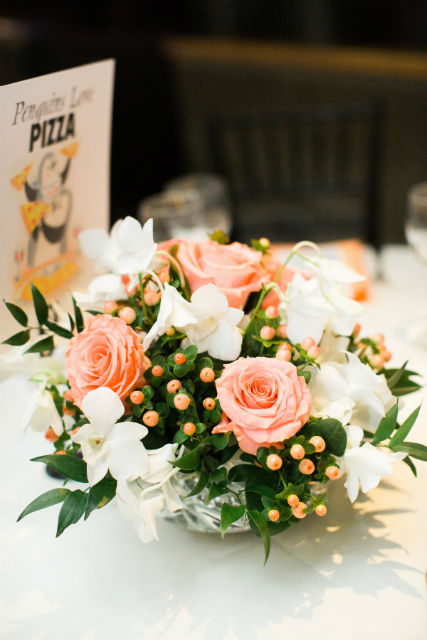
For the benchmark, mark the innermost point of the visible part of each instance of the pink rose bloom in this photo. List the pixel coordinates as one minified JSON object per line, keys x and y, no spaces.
{"x":273,"y":267}
{"x":234,"y":268}
{"x":105,"y":354}
{"x":265,"y":399}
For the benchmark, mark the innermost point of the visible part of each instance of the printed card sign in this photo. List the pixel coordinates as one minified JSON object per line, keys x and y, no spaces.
{"x":54,"y":178}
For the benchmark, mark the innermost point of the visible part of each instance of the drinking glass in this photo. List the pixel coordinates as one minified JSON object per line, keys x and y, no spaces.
{"x":416,"y":235}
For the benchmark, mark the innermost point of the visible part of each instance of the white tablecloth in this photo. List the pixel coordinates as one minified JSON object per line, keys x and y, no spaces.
{"x":359,"y":572}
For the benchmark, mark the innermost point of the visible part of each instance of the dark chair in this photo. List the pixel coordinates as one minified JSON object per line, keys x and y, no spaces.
{"x":301,"y":172}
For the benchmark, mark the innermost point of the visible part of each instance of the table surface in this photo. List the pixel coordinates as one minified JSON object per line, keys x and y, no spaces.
{"x":359,"y":572}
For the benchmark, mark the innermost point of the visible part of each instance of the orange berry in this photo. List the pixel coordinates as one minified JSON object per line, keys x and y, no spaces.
{"x":61,"y":452}
{"x":385,"y":354}
{"x":271,"y":312}
{"x":282,"y":331}
{"x":181,"y":401}
{"x":150,"y":418}
{"x":332,"y":472}
{"x":306,"y":466}
{"x":164,"y":277}
{"x":151,"y":298}
{"x":356,"y":330}
{"x":69,"y":412}
{"x":267,"y":333}
{"x":314,"y":352}
{"x":110,"y":306}
{"x":51,"y":435}
{"x":180,"y":358}
{"x":207,"y":374}
{"x":189,"y":428}
{"x":274,"y":461}
{"x":173,"y":386}
{"x":298,"y":510}
{"x":293,"y":500}
{"x":297,"y":452}
{"x":274,"y":515}
{"x":127,"y":314}
{"x":157,"y":371}
{"x":137,"y":397}
{"x":76,"y":430}
{"x":284,"y":354}
{"x":170,"y":332}
{"x":264,"y":242}
{"x":321,"y":510}
{"x":378,"y":338}
{"x":209,"y":404}
{"x":376,"y":361}
{"x":307,"y":343}
{"x":319,"y":443}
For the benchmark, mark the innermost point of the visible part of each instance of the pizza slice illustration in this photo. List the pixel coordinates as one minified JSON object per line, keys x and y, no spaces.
{"x":33,"y":212}
{"x":71,"y":150}
{"x":19,"y":180}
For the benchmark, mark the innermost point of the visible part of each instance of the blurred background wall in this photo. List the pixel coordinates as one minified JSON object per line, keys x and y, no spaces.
{"x":214,"y":84}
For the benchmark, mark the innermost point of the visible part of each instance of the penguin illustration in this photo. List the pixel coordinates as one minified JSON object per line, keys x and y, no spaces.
{"x":49,"y":188}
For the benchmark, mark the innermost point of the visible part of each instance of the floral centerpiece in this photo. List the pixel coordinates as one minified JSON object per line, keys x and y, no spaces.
{"x":211,"y":366}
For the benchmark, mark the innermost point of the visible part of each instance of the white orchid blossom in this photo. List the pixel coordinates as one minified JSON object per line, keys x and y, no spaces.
{"x":137,"y":246}
{"x":216,"y":332}
{"x":174,"y":311}
{"x":99,"y":245}
{"x":106,"y":287}
{"x":304,"y":308}
{"x":41,"y":413}
{"x":350,"y":392}
{"x":134,"y":503}
{"x":107,"y":445}
{"x":364,"y":464}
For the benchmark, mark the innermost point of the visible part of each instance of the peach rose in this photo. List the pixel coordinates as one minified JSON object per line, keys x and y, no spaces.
{"x":105,"y":354}
{"x":234,"y":268}
{"x":265,"y":399}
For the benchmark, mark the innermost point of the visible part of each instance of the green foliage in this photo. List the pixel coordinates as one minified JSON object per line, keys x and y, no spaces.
{"x":386,"y":426}
{"x":40,"y":305}
{"x":101,"y":494}
{"x":219,"y":236}
{"x":18,"y":313}
{"x":18,"y":339}
{"x":334,"y":435}
{"x":404,"y":430}
{"x":399,"y":381}
{"x":72,"y":510}
{"x":230,"y":514}
{"x":60,"y":331}
{"x":46,"y":344}
{"x":215,"y":490}
{"x":48,"y":499}
{"x":78,"y":316}
{"x":189,"y":461}
{"x":418,"y":451}
{"x":70,"y":467}
{"x":263,"y":529}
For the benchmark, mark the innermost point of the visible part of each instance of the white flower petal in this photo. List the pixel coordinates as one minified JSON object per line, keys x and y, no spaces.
{"x":94,"y":243}
{"x":127,"y":455}
{"x":173,"y":500}
{"x":159,"y":461}
{"x":301,"y":326}
{"x":102,"y":407}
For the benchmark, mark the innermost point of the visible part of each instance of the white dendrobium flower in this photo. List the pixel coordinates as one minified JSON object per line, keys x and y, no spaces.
{"x":333,"y":347}
{"x":365,"y":464}
{"x":174,"y":311}
{"x":217,"y":332}
{"x":131,"y":496}
{"x":99,"y":245}
{"x":137,"y":246}
{"x":106,"y":287}
{"x":350,"y":392}
{"x":304,"y":309}
{"x":42,"y":413}
{"x":107,"y":445}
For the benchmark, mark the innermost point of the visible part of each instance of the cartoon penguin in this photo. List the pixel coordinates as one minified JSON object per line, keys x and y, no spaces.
{"x":49,"y":188}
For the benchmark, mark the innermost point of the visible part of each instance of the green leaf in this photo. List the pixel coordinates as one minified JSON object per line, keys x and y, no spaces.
{"x":205,"y":363}
{"x":215,"y":491}
{"x":334,"y":435}
{"x":404,"y":430}
{"x":261,"y":524}
{"x":72,"y":510}
{"x":101,"y":494}
{"x":18,"y":339}
{"x":220,"y":440}
{"x":418,"y":451}
{"x":387,"y":425}
{"x":189,"y":461}
{"x":60,"y":331}
{"x":219,"y":236}
{"x":230,"y":514}
{"x":48,"y":499}
{"x":263,"y":490}
{"x":18,"y":313}
{"x":180,"y":437}
{"x":306,"y":374}
{"x":79,"y":316}
{"x":203,"y":481}
{"x":411,"y":465}
{"x":40,"y":305}
{"x":394,"y":379}
{"x":240,"y":472}
{"x":69,"y":466}
{"x":72,"y":323}
{"x":191,"y":352}
{"x":47,"y":344}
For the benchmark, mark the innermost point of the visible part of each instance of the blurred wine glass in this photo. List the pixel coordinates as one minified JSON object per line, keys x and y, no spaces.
{"x":416,"y":235}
